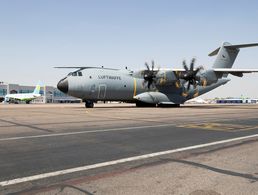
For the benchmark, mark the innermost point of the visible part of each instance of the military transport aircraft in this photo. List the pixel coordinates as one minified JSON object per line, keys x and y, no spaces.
{"x":153,"y":86}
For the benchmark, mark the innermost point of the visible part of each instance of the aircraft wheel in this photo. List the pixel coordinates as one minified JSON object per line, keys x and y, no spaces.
{"x":169,"y":105}
{"x":142,"y":104}
{"x":89,"y":104}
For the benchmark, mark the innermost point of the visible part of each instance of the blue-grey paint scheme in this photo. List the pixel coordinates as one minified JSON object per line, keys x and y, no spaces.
{"x":105,"y":84}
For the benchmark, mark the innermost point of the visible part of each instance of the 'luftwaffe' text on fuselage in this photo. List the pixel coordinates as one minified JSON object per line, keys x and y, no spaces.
{"x":109,"y":77}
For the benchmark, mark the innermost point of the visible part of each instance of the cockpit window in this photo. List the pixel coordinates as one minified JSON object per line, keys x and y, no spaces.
{"x":80,"y":74}
{"x":74,"y":74}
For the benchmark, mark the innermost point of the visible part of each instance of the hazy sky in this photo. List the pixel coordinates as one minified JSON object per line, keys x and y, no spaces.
{"x":37,"y":35}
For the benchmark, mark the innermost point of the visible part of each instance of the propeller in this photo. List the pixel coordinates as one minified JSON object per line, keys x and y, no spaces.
{"x":150,"y":75}
{"x":190,"y":76}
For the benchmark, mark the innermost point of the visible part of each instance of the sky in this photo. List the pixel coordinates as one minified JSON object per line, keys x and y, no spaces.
{"x":36,"y":36}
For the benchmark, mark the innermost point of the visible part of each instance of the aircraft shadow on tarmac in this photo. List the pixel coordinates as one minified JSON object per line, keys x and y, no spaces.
{"x":233,"y":106}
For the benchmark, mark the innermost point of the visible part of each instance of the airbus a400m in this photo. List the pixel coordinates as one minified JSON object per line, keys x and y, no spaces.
{"x":153,"y":86}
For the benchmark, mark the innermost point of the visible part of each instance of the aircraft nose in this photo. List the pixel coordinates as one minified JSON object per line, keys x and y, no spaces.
{"x":63,"y":85}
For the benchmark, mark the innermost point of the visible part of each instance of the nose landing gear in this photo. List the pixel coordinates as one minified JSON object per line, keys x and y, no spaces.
{"x":89,"y":104}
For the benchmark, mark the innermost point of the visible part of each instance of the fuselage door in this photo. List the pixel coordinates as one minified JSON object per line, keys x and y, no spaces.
{"x":102,"y":91}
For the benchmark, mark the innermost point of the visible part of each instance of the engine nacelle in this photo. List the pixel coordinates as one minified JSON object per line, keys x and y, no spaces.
{"x":6,"y":99}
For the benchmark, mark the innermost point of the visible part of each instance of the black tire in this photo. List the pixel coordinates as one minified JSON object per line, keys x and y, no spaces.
{"x":89,"y":104}
{"x":169,"y":105}
{"x":142,"y":104}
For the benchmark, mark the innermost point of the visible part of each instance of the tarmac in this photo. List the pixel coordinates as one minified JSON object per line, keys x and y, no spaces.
{"x":121,"y":149}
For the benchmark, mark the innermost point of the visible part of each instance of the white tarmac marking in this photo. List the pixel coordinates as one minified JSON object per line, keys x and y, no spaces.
{"x":83,"y":132}
{"x":114,"y":162}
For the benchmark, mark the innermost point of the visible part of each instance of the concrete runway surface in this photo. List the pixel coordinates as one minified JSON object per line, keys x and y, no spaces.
{"x":121,"y":149}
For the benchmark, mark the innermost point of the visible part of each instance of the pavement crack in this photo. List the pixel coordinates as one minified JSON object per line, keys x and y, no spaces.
{"x":217,"y":170}
{"x":26,"y":125}
{"x":62,"y":187}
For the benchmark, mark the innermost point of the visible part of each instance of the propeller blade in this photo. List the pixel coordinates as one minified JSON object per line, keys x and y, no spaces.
{"x":192,"y":64}
{"x":149,"y":84}
{"x":153,"y":84}
{"x":185,"y":66}
{"x":198,"y":69}
{"x":149,"y":75}
{"x":147,"y":66}
{"x":152,"y":65}
{"x":190,"y":77}
{"x":188,"y":85}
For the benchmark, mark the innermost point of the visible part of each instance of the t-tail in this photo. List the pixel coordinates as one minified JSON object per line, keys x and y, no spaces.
{"x":37,"y":89}
{"x":226,"y":56}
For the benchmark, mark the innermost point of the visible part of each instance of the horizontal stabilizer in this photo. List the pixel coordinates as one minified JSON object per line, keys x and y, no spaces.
{"x":215,"y":52}
{"x":241,"y":46}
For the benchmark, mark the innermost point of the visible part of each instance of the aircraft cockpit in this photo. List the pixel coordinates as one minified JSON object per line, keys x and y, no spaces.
{"x":63,"y":83}
{"x":76,"y":73}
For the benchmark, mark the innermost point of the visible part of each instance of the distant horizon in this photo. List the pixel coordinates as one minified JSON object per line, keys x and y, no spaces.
{"x":36,"y":36}
{"x":201,"y":97}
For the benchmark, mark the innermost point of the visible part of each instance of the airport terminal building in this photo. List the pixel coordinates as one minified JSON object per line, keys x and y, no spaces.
{"x":49,"y":94}
{"x":237,"y":101}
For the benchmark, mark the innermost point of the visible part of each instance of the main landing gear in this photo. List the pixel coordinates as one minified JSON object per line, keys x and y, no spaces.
{"x":168,"y":105}
{"x":89,"y":104}
{"x":142,"y":104}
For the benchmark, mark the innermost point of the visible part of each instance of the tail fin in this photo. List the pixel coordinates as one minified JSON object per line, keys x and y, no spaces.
{"x":226,"y":54}
{"x":37,"y":89}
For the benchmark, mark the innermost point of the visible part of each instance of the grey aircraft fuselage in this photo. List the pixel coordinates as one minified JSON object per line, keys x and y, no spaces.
{"x":103,"y":84}
{"x":172,"y":86}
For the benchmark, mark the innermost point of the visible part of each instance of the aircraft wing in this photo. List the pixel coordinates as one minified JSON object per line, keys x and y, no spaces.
{"x":83,"y":67}
{"x":172,"y":69}
{"x":235,"y":72}
{"x":12,"y":98}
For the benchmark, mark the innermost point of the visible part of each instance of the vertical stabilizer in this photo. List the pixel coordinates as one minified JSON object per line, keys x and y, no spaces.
{"x":226,"y":56}
{"x":37,"y":89}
